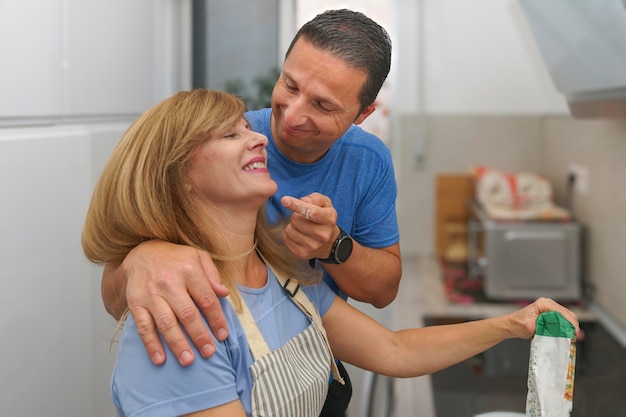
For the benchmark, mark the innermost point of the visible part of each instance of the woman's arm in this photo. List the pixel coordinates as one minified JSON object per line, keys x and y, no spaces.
{"x":357,"y":339}
{"x":163,"y":285}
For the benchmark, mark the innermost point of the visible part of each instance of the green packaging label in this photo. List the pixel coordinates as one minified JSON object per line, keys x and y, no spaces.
{"x":555,"y":325}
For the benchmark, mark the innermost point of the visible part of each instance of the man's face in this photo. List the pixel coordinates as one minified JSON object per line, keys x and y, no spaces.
{"x":314,"y":102}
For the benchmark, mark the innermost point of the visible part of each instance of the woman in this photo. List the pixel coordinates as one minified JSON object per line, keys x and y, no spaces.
{"x":190,"y":171}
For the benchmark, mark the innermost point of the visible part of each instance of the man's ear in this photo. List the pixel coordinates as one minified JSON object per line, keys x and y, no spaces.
{"x":365,"y":113}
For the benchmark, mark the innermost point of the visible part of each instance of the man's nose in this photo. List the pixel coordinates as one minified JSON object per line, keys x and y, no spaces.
{"x":296,"y":111}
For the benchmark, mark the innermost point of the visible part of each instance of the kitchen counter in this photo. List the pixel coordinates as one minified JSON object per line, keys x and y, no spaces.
{"x":497,"y":379}
{"x":436,"y":304}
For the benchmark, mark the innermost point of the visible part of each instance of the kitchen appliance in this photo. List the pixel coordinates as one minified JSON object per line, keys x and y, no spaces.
{"x":582,"y":44}
{"x":524,"y":260}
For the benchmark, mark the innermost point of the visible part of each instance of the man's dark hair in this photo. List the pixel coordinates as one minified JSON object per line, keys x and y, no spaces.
{"x":355,"y":39}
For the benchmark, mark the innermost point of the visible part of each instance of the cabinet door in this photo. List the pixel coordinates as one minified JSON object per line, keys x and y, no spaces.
{"x":30,"y":58}
{"x":86,"y":58}
{"x":111,"y":57}
{"x":46,"y":360}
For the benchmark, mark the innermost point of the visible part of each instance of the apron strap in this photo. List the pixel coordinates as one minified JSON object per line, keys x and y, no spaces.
{"x":258,"y":345}
{"x":292,"y":288}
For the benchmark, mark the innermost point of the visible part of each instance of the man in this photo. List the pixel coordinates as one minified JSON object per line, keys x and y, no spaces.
{"x":334,"y":179}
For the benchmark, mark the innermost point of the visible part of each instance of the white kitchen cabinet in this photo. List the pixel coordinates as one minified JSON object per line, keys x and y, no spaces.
{"x":56,"y":334}
{"x":73,"y":59}
{"x":73,"y":76}
{"x":45,"y":285}
{"x":111,"y":57}
{"x":30,"y":58}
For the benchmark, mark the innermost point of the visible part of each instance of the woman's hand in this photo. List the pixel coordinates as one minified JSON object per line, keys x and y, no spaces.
{"x":523,"y":322}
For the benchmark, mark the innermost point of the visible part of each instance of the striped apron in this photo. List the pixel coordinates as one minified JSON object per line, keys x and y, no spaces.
{"x":291,"y":381}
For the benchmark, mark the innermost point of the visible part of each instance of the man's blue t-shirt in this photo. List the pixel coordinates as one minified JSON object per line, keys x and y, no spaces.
{"x":356,"y":173}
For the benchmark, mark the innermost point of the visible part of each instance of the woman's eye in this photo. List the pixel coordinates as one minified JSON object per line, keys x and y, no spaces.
{"x":230,"y":135}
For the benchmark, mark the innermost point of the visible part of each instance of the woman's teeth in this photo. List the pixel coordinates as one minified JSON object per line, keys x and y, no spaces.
{"x":255,"y":165}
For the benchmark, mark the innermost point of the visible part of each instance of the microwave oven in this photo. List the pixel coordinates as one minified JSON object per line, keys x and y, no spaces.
{"x":525,"y":260}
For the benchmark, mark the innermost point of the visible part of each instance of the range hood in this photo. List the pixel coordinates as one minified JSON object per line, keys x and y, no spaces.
{"x":583,"y":45}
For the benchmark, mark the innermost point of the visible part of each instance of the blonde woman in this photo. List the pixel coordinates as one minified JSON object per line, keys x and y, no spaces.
{"x":190,"y":171}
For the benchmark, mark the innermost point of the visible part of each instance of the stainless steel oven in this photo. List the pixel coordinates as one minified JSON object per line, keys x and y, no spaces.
{"x":521,"y":260}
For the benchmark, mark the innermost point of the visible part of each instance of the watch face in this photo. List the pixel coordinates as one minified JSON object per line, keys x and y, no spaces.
{"x":344,"y":249}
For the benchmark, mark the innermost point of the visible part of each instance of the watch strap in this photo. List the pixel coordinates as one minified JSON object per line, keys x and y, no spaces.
{"x":333,"y":257}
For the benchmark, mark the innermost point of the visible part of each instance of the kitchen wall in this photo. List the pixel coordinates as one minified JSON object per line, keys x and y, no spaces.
{"x":544,"y":144}
{"x":486,"y":98}
{"x":599,"y":146}
{"x":455,"y":144}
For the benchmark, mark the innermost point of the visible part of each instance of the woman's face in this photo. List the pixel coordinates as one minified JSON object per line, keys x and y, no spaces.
{"x":229,"y":170}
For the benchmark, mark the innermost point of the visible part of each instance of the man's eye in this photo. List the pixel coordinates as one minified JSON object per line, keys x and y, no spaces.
{"x":290,"y":87}
{"x":322,"y":107}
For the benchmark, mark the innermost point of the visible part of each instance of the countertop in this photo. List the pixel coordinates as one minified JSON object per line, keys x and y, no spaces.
{"x":435,"y":303}
{"x":422,"y":295}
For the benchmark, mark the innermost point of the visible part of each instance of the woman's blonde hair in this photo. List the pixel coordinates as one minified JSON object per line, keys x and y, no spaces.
{"x":141,"y":193}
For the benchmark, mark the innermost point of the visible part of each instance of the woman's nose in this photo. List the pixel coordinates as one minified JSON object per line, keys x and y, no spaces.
{"x":258,"y":140}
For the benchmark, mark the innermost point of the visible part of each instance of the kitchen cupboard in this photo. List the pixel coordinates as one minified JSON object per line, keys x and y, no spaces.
{"x":73,"y":75}
{"x":87,"y":59}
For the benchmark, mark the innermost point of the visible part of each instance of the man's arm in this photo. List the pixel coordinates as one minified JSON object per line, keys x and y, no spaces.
{"x":165,"y":286}
{"x":370,"y":275}
{"x":113,"y":290}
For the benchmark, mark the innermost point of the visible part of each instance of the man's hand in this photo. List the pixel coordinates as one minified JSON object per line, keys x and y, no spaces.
{"x":312,"y":229}
{"x":166,"y":284}
{"x":371,"y":275}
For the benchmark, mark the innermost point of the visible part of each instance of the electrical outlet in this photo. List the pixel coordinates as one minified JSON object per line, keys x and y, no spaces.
{"x":581,"y":174}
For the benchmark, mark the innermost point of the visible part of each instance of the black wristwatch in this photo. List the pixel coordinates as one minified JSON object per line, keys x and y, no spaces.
{"x":341,"y":250}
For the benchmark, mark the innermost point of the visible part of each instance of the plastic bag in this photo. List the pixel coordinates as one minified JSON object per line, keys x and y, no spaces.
{"x":551,"y":367}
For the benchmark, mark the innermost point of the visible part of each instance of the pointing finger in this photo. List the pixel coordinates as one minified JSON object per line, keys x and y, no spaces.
{"x":297,"y":206}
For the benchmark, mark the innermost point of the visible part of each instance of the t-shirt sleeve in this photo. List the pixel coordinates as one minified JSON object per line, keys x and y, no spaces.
{"x":320,"y":295}
{"x":143,"y":389}
{"x":376,"y":222}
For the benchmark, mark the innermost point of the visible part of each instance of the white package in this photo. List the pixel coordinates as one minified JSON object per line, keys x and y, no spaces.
{"x":551,"y":367}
